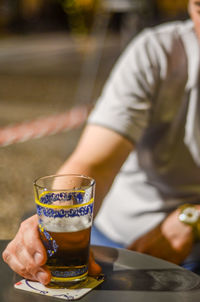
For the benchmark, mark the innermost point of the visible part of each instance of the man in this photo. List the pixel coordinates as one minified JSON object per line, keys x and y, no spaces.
{"x":141,"y":146}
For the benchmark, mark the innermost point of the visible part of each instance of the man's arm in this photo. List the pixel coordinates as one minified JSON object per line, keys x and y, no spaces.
{"x":171,"y":240}
{"x":99,"y":154}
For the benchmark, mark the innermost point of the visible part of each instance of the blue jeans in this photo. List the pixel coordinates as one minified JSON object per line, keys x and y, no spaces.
{"x":98,"y":238}
{"x":193,"y":266}
{"x":192,"y":262}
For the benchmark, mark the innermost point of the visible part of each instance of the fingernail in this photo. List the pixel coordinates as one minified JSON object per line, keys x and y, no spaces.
{"x":41,"y":276}
{"x":37,"y":258}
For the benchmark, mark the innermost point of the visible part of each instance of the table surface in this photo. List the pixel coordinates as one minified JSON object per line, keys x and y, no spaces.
{"x":129,"y":276}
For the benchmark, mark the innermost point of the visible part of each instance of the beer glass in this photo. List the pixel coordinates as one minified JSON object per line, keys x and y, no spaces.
{"x":64,"y":206}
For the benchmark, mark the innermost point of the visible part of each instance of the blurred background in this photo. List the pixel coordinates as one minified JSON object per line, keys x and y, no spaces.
{"x":56,"y":55}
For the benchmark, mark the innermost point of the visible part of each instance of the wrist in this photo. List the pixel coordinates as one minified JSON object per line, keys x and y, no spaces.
{"x":190,"y":216}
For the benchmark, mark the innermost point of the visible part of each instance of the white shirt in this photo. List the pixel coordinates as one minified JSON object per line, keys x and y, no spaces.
{"x":147,"y":99}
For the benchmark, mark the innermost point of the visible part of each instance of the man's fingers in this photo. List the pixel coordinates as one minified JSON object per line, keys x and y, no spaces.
{"x":43,"y":275}
{"x":26,"y":255}
{"x":34,"y":247}
{"x":31,"y":242}
{"x":16,"y":265}
{"x":25,"y":267}
{"x":94,"y":269}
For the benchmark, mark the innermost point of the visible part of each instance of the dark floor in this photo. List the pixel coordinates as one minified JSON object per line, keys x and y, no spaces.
{"x":40,"y":76}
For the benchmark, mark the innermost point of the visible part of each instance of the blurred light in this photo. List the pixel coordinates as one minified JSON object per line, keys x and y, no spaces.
{"x":172,"y":7}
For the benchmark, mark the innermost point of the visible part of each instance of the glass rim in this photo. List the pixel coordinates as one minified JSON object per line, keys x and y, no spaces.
{"x":63,"y":175}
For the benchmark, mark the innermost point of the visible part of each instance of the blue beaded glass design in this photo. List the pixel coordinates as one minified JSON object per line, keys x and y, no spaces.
{"x":49,"y":198}
{"x":48,"y":212}
{"x":70,"y":273}
{"x":49,"y":243}
{"x":57,"y":211}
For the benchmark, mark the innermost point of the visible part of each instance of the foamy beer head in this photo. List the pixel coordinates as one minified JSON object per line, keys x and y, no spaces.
{"x":65,"y":210}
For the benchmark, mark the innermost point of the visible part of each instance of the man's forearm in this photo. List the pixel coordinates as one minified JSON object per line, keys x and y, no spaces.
{"x":99,"y":154}
{"x":102,"y":177}
{"x":171,"y":240}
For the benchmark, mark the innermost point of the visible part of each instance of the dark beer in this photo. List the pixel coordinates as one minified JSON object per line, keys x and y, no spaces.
{"x":65,"y":206}
{"x":68,"y":254}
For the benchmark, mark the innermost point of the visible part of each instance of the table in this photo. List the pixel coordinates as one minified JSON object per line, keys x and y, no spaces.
{"x":129,"y":276}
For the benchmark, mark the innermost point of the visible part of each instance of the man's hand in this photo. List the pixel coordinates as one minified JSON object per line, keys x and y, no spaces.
{"x":172,"y":240}
{"x":26,"y":255}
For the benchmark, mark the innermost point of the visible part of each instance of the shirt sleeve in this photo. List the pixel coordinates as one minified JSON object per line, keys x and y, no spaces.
{"x":125,"y":103}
